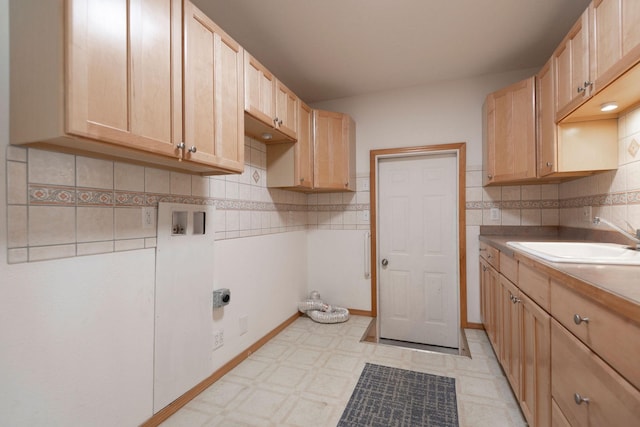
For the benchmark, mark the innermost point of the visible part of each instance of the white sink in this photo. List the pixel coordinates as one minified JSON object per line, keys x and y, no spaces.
{"x":580,"y":252}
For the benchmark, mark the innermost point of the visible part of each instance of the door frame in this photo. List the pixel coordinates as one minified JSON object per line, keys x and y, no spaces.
{"x":459,"y":149}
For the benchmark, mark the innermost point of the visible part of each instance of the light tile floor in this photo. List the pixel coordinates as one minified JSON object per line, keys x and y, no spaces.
{"x":306,"y":374}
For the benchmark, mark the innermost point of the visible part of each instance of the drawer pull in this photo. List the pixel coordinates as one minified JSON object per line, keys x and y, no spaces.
{"x":577,"y":319}
{"x":580,"y":399}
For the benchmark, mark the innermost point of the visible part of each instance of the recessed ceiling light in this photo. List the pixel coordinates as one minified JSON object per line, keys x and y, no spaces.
{"x":266,"y":136}
{"x":609,"y":106}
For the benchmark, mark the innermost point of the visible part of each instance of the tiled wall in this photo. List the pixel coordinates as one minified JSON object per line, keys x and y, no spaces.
{"x":340,"y":211}
{"x":60,"y":205}
{"x":517,"y":205}
{"x":614,"y":195}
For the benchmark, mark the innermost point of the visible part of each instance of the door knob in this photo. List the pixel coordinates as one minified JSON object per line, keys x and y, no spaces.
{"x":385,"y":262}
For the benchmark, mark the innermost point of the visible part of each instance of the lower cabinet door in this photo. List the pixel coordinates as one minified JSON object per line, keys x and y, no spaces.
{"x":588,"y":391}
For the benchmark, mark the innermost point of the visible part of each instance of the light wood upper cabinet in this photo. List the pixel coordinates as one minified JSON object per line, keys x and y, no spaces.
{"x":124,"y":72}
{"x":575,"y":148}
{"x":105,"y":79}
{"x":334,"y":151}
{"x":571,"y":66}
{"x":213,"y":94}
{"x":615,"y":42}
{"x":290,"y":165}
{"x":272,"y":109}
{"x":601,"y":47}
{"x":510,"y":135}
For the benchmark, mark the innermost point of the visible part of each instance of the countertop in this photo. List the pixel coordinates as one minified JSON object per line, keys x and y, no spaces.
{"x":616,"y":286}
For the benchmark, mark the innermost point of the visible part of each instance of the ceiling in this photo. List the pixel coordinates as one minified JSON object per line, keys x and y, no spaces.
{"x":329,"y":49}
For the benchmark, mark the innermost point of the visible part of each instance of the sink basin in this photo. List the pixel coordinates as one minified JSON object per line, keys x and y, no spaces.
{"x":580,"y":252}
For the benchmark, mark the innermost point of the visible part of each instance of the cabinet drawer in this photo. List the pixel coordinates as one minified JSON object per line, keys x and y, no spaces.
{"x":616,"y":339}
{"x":509,"y":267}
{"x":578,"y":372}
{"x":535,"y":285}
{"x":491,"y":254}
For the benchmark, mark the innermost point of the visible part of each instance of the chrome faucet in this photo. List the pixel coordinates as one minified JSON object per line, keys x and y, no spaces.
{"x":636,"y":239}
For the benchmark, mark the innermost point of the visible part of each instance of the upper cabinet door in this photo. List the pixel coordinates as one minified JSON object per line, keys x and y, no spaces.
{"x":286,"y":111}
{"x":123,"y":75}
{"x":260,"y":90}
{"x":303,"y":149}
{"x":615,"y":42}
{"x":510,"y":144}
{"x":547,"y":129}
{"x":213,"y":94}
{"x":571,"y":65}
{"x":334,"y":157}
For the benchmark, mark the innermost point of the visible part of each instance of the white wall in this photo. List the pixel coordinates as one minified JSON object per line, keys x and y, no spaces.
{"x":336,"y":267}
{"x":439,"y":113}
{"x":76,"y":334}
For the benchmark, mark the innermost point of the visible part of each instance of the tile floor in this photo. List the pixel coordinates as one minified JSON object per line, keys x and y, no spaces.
{"x":306,"y":374}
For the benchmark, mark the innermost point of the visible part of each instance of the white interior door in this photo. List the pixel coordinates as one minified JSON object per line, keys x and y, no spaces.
{"x":183,"y":302}
{"x":418,"y":249}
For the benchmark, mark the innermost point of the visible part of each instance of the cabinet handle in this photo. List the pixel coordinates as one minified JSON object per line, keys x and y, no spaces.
{"x":180,"y":148}
{"x":482,"y":249}
{"x":275,"y":122}
{"x":577,"y":319}
{"x":193,"y":149}
{"x":346,"y":184}
{"x":280,"y":122}
{"x":580,"y":399}
{"x":587,"y":84}
{"x":549,"y":164}
{"x":581,"y":89}
{"x":484,"y":268}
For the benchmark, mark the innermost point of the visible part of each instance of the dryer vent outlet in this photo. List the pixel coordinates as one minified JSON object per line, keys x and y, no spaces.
{"x":221,"y":297}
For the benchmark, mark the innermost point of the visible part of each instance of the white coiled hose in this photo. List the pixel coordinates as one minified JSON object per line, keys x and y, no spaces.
{"x":320,"y":312}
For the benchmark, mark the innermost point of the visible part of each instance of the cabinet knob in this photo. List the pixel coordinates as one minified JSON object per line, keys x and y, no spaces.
{"x":580,"y":399}
{"x":484,"y":268}
{"x":301,"y":179}
{"x":577,"y":319}
{"x":490,"y":176}
{"x":280,"y":122}
{"x":275,"y":121}
{"x":193,"y":149}
{"x":587,"y":84}
{"x":180,"y":148}
{"x":580,"y":89}
{"x":549,"y":164}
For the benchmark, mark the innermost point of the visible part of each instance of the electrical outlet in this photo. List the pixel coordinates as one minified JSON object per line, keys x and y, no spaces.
{"x":148,"y":217}
{"x":587,"y":214}
{"x":218,"y":339}
{"x":494,"y":214}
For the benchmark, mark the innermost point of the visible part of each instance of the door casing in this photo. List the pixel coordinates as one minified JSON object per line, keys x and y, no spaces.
{"x":460,"y":150}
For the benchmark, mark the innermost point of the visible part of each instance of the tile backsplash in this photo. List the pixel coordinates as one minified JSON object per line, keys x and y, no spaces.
{"x":61,"y":205}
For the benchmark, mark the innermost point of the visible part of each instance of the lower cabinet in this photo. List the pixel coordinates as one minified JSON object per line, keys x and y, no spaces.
{"x":570,"y":360}
{"x":587,"y":390}
{"x":519,"y":331}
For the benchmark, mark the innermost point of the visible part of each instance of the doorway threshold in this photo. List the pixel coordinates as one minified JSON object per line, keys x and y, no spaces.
{"x":372,"y":335}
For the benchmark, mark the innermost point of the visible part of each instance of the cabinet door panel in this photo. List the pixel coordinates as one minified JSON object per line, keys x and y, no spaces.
{"x":510,"y":344}
{"x":630,"y":27}
{"x":304,"y":147}
{"x":535,"y":396}
{"x":260,"y":95}
{"x":571,"y":64}
{"x":214,"y":115}
{"x":329,"y":162}
{"x":286,"y":110}
{"x":547,"y":130}
{"x":606,"y":40}
{"x":123,"y":72}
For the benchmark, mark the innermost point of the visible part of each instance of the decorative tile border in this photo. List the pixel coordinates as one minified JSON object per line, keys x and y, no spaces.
{"x":513,"y":204}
